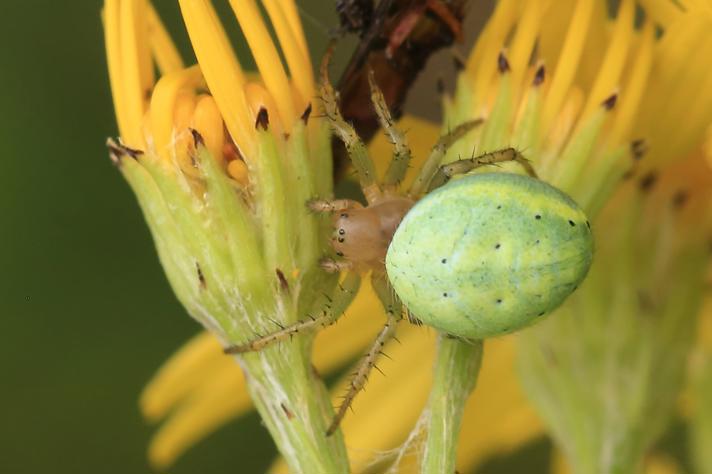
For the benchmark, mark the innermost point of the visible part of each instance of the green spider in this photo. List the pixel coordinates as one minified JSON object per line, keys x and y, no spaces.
{"x":427,"y":250}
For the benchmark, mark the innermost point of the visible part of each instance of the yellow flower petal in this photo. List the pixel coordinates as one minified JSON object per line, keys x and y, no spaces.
{"x":569,"y":59}
{"x":663,"y":13}
{"x":633,"y":90}
{"x":195,"y":363}
{"x":222,"y":72}
{"x":481,"y":65}
{"x":293,"y":44}
{"x":218,"y":399}
{"x":163,"y":104}
{"x":677,"y":107}
{"x":524,"y":39}
{"x":130,"y":65}
{"x":258,"y":98}
{"x":164,"y":51}
{"x":208,"y":122}
{"x":289,"y":9}
{"x":266,"y":57}
{"x":610,"y":70}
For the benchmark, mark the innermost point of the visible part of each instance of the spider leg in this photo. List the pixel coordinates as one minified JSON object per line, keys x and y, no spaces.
{"x":335,"y":205}
{"x":331,"y":312}
{"x":360,"y":377}
{"x":401,"y":152}
{"x":465,"y":166}
{"x":330,"y":265}
{"x":354,"y":145}
{"x":447,"y":16}
{"x":430,"y":167}
{"x":393,"y":308}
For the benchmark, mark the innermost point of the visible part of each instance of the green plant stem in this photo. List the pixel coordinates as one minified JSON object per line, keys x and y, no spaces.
{"x":294,"y":409}
{"x":701,"y":426}
{"x":456,"y":369}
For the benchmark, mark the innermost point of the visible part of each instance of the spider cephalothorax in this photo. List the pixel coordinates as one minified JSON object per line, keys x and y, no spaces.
{"x":362,"y":234}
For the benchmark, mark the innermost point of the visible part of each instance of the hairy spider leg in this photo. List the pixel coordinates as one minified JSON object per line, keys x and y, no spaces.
{"x":401,"y":152}
{"x":431,"y":165}
{"x":328,"y":206}
{"x":354,"y":145}
{"x":330,"y":313}
{"x":393,"y":308}
{"x":465,"y":166}
{"x":335,"y":266}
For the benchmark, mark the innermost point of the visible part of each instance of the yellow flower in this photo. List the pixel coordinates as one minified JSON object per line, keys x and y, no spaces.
{"x":607,"y":369}
{"x":598,"y":93}
{"x":222,"y":164}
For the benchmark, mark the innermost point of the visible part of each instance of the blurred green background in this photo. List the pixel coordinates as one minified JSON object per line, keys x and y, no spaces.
{"x":86,"y":315}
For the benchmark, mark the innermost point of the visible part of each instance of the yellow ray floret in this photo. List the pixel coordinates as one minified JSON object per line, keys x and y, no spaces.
{"x":266,"y":57}
{"x":481,"y":64}
{"x":524,"y":40}
{"x":568,"y":60}
{"x":163,"y":103}
{"x":611,"y":68}
{"x":221,"y":69}
{"x":130,"y":66}
{"x":218,"y":399}
{"x":164,"y":51}
{"x":633,"y":90}
{"x":293,"y":45}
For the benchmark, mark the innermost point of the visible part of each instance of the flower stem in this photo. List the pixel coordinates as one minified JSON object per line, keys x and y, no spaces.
{"x":456,"y":368}
{"x":294,"y":409}
{"x":701,"y":425}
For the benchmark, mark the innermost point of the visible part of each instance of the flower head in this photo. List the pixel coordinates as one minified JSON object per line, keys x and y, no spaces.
{"x":606,"y":372}
{"x":584,"y":96}
{"x":223,"y":164}
{"x":616,"y":353}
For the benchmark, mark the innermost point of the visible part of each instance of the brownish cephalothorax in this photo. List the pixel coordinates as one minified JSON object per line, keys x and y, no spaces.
{"x":362,"y":234}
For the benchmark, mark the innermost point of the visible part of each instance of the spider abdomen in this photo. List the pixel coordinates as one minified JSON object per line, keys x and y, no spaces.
{"x":489,"y":253}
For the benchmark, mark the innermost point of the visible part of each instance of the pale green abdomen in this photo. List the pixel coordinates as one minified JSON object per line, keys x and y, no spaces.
{"x":489,"y":253}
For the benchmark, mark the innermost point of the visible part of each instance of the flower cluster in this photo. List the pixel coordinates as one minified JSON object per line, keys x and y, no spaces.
{"x":222,"y":163}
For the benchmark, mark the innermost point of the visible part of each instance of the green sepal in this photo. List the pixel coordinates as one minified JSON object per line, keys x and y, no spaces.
{"x":564,"y":171}
{"x":178,"y":255}
{"x":526,"y":137}
{"x":234,"y":228}
{"x":495,"y":131}
{"x":274,"y":210}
